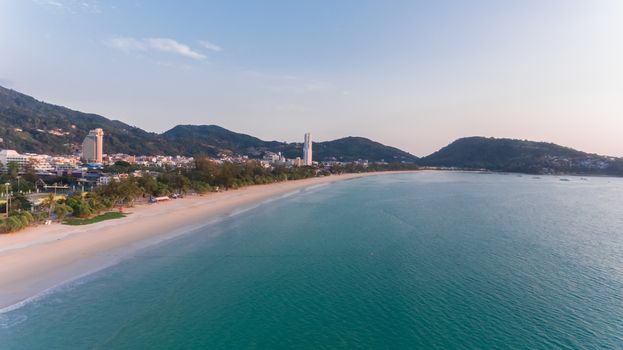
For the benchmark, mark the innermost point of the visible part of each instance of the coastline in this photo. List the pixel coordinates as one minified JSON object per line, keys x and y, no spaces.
{"x":42,"y":258}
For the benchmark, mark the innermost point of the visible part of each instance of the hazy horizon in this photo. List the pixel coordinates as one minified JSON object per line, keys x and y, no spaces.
{"x":413,"y":76}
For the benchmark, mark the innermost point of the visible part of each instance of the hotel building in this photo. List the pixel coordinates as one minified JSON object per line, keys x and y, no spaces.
{"x":11,"y":156}
{"x":307,"y":150}
{"x":93,"y":146}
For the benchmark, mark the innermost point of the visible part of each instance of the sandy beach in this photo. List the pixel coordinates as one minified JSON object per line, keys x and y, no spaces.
{"x":40,"y":258}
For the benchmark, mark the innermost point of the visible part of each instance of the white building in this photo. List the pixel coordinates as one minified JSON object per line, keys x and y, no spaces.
{"x":40,"y":162}
{"x":65,"y":162}
{"x":93,"y":146}
{"x":307,"y":150}
{"x":8,"y":155}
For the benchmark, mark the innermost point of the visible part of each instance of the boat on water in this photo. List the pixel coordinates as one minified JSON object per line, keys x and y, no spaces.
{"x":563,"y":179}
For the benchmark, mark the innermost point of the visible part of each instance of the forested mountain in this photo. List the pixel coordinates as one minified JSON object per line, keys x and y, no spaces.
{"x":214,"y":139}
{"x":351,"y":148}
{"x":29,"y":125}
{"x":521,"y":156}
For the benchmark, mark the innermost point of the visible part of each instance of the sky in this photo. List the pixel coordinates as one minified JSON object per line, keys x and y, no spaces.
{"x":411,"y":74}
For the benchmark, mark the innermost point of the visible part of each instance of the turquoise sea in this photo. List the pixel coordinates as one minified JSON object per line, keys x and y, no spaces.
{"x":431,"y":260}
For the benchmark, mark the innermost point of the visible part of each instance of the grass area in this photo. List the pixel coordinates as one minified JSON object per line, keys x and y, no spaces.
{"x":103,"y":217}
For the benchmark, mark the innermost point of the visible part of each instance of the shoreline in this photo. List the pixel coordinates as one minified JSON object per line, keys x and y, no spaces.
{"x":42,"y":258}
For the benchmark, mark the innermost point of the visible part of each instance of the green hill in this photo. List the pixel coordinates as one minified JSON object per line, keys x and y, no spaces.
{"x":521,"y":156}
{"x":214,"y":139}
{"x":29,"y":125}
{"x":351,"y":148}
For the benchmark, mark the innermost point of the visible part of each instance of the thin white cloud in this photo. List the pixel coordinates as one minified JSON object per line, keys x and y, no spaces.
{"x":172,"y":46}
{"x":49,"y":3}
{"x":155,"y":44}
{"x":210,"y":46}
{"x":72,"y":6}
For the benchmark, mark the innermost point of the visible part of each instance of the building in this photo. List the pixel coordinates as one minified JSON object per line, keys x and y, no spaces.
{"x":65,"y":163}
{"x":93,"y":146}
{"x":307,"y":150}
{"x":298,"y":162}
{"x":40,"y":162}
{"x":11,"y":156}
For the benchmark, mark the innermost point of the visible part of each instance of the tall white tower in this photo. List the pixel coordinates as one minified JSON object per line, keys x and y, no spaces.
{"x":307,"y":150}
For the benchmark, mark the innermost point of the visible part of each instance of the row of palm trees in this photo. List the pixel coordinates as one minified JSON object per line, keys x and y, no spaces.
{"x":21,"y":219}
{"x":18,"y":221}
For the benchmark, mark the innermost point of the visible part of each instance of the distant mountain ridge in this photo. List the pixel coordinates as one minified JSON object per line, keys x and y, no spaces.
{"x":218,"y":139}
{"x":499,"y":154}
{"x":29,"y":125}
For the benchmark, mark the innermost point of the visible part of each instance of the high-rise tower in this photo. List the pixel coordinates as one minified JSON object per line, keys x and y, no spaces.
{"x":307,"y":149}
{"x":93,"y":146}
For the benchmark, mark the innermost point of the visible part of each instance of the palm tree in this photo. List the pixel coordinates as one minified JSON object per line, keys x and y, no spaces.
{"x":61,"y":210}
{"x":13,"y":223}
{"x":49,"y":202}
{"x":129,"y":191}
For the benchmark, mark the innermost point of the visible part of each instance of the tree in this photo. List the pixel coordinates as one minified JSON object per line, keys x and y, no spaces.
{"x":148,"y":183}
{"x":17,"y":222}
{"x":162,"y":190}
{"x":80,"y":206}
{"x":228,"y":173}
{"x":201,"y":187}
{"x":12,"y":224}
{"x":13,"y":169}
{"x":125,"y":190}
{"x":177,"y":182}
{"x":49,"y":202}
{"x":61,"y":210}
{"x":30,"y":174}
{"x":23,"y":219}
{"x":41,"y":216}
{"x":130,"y":191}
{"x":20,"y":202}
{"x":97,"y":202}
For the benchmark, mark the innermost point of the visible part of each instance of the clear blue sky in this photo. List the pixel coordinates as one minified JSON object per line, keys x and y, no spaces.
{"x":415,"y":75}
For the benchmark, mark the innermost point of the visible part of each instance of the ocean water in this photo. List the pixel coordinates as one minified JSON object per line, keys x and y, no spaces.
{"x":430,"y":260}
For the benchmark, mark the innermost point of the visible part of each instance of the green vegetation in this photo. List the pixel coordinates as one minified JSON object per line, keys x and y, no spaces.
{"x":103,"y":217}
{"x":205,"y":176}
{"x":212,"y":139}
{"x":521,"y":156}
{"x":61,"y":210}
{"x":51,"y":129}
{"x":63,"y":127}
{"x":20,"y":220}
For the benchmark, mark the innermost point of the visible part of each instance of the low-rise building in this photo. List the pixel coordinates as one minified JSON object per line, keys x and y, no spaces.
{"x":40,"y":162}
{"x":11,"y":156}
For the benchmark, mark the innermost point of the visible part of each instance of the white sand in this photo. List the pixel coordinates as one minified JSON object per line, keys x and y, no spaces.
{"x":43,"y":257}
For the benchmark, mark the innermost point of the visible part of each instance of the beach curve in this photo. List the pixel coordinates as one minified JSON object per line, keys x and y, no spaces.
{"x":43,"y":258}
